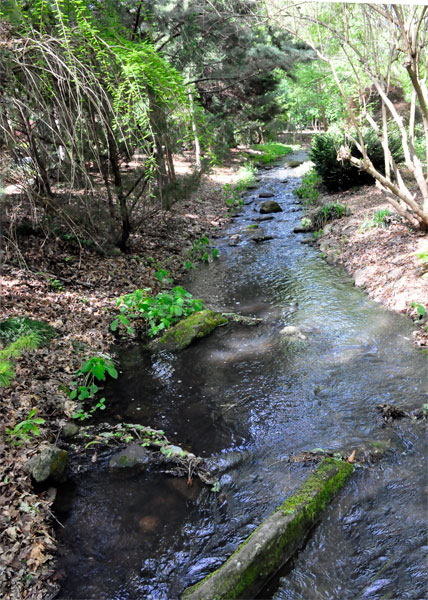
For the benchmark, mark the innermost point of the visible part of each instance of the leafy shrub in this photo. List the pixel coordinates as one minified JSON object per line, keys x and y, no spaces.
{"x":22,"y":431}
{"x":341,"y":175}
{"x":160,"y":311}
{"x":200,"y":251}
{"x":328,"y":212}
{"x":308,"y":189}
{"x":231,"y":196}
{"x":91,"y":372}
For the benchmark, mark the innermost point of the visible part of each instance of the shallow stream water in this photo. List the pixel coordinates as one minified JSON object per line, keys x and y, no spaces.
{"x":248,"y":399}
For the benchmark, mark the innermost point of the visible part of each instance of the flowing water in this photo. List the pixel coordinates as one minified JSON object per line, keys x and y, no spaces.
{"x":247,"y":398}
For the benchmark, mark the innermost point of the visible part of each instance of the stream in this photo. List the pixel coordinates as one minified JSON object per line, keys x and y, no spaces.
{"x":247,"y":398}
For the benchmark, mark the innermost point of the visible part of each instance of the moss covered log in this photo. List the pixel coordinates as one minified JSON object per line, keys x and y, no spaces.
{"x":275,"y":540}
{"x":196,"y":326}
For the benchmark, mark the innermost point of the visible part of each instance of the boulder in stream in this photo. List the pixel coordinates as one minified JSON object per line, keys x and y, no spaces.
{"x":132,"y":456}
{"x":188,"y":330}
{"x":50,"y":463}
{"x":266,"y":194}
{"x":270,"y":206}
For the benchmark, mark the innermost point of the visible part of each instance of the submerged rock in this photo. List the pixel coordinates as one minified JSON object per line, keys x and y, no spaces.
{"x":270,"y":206}
{"x":131,"y":456}
{"x":188,"y":330}
{"x":49,"y":463}
{"x":292,"y":333}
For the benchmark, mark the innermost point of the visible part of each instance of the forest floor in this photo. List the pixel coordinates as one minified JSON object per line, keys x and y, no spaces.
{"x":76,"y":293}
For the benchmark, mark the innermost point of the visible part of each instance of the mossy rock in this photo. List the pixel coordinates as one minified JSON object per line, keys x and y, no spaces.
{"x":276,"y":539}
{"x":49,"y":464}
{"x":16,"y":327}
{"x":188,"y":330}
{"x":294,"y":163}
{"x":270,"y":206}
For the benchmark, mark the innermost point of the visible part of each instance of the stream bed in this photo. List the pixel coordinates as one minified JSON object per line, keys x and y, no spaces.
{"x":247,"y":399}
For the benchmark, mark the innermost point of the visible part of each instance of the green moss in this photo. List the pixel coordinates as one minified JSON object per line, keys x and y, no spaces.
{"x":284,"y":532}
{"x":196,"y":326}
{"x":255,"y":226}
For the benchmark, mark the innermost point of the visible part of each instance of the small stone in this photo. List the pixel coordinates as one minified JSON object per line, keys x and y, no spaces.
{"x":266,"y":194}
{"x":293,"y":333}
{"x":149,"y":523}
{"x":49,"y":463}
{"x":70,"y":430}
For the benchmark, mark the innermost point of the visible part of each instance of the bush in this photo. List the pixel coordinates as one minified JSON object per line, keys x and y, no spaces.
{"x":341,"y":175}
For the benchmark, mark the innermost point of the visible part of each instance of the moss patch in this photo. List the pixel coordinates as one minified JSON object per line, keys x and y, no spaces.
{"x":276,"y":539}
{"x":196,"y":326}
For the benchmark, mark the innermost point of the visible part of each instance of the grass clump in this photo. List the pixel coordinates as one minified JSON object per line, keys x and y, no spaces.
{"x":17,"y":327}
{"x":246,"y":177}
{"x":329,"y":212}
{"x":270,"y":152}
{"x":308,"y":191}
{"x":381,"y":218}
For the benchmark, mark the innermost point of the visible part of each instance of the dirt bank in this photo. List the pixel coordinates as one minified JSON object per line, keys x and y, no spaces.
{"x":382,"y":258}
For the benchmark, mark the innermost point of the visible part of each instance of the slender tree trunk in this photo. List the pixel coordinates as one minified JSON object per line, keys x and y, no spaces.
{"x":195,"y":133}
{"x":117,"y":178}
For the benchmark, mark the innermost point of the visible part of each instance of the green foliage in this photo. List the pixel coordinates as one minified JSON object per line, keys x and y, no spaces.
{"x":27,"y":342}
{"x":10,"y":331}
{"x":270,"y":152}
{"x":16,"y":327}
{"x":56,"y":285}
{"x":88,"y":376}
{"x":381,"y":218}
{"x":341,"y":175}
{"x":23,"y":431}
{"x":7,"y":373}
{"x":306,"y":223}
{"x":200,"y":251}
{"x":231,"y":196}
{"x":329,"y":212}
{"x":160,"y":311}
{"x":246,"y":177}
{"x":308,"y":189}
{"x":423,"y":256}
{"x":420,"y":308}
